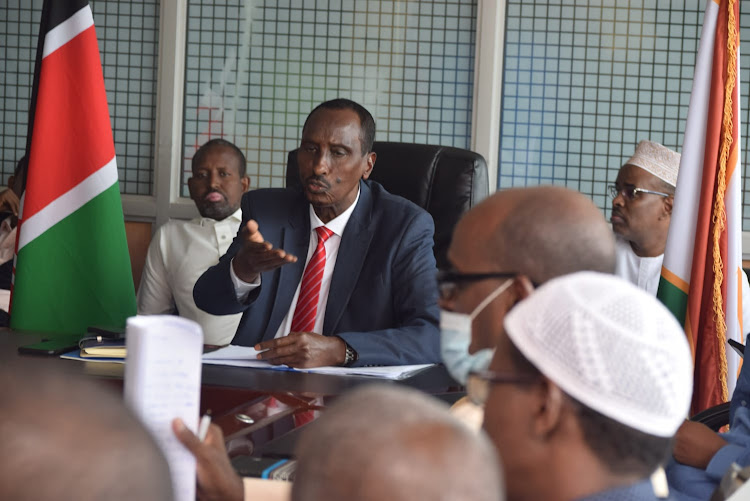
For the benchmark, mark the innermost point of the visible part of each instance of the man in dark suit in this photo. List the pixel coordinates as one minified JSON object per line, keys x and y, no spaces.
{"x":362,"y":291}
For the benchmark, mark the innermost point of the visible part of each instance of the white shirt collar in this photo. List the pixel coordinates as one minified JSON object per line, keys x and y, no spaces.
{"x":207,"y":221}
{"x":338,"y":223}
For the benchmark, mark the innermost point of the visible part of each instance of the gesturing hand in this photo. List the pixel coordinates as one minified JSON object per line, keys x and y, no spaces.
{"x":303,"y":349}
{"x":217,"y":480}
{"x":256,"y":255}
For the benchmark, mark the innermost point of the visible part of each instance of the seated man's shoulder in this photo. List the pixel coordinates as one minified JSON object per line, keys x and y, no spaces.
{"x":171,"y":237}
{"x":394,"y":216}
{"x":275,"y":195}
{"x":272,"y":204}
{"x":395,"y":205}
{"x":175,"y":234}
{"x":174,"y":227}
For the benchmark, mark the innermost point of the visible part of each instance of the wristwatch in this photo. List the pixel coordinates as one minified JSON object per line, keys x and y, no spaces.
{"x":351,"y":356}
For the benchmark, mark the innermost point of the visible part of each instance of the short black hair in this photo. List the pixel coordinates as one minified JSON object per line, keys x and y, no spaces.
{"x":366,"y":122}
{"x":217,"y":142}
{"x":622,"y":449}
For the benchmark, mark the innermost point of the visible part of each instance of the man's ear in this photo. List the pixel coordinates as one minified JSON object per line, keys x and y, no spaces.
{"x":668,"y":203}
{"x":245,"y":181}
{"x":371,"y":157}
{"x":550,"y":407}
{"x":522,"y":288}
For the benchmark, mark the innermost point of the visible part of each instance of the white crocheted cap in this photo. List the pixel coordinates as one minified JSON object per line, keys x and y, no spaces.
{"x":658,"y":160}
{"x":611,"y":346}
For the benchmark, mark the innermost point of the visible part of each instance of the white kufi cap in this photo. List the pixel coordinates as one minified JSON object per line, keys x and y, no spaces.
{"x":658,"y":160}
{"x":611,"y":346}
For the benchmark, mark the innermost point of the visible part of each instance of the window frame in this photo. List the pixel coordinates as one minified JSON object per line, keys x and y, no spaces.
{"x":167,"y":203}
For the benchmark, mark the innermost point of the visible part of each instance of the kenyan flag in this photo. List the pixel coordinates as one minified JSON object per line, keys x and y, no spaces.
{"x":72,"y":265}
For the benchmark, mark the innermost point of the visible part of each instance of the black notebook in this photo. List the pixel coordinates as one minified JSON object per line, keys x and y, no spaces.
{"x":271,"y":468}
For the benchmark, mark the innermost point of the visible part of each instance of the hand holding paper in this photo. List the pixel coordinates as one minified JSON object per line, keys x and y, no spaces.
{"x":162,"y":381}
{"x":217,"y":480}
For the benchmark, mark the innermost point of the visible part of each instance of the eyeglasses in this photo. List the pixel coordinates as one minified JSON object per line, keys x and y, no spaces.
{"x":449,"y":280}
{"x":631,"y":192}
{"x":479,"y":383}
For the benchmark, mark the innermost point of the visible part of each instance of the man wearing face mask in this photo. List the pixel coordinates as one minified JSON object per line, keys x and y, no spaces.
{"x":501,"y":249}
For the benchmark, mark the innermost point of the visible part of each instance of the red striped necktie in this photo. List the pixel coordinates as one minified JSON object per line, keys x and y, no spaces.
{"x":307,"y":303}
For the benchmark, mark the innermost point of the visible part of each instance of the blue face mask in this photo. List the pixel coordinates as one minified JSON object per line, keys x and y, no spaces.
{"x":455,"y":338}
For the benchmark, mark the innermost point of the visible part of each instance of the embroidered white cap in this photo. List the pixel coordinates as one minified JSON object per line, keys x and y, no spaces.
{"x":611,"y":346}
{"x":658,"y":160}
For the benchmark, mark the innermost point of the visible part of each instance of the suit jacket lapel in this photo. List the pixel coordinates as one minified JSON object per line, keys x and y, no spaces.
{"x":295,"y":239}
{"x":352,"y":252}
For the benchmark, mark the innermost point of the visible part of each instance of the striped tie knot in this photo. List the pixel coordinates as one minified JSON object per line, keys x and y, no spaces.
{"x":323,"y":234}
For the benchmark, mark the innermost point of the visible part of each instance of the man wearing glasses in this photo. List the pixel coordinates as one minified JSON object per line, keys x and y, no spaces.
{"x":500,"y":250}
{"x":591,"y":379}
{"x":642,"y":199}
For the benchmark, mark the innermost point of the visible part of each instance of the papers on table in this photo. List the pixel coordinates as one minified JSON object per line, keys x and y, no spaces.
{"x":384,"y":372}
{"x":162,"y":382}
{"x":245,"y":356}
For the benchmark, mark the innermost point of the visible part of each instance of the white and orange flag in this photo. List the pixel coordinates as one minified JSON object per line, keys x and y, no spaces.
{"x":72,"y":266}
{"x":701,"y":280}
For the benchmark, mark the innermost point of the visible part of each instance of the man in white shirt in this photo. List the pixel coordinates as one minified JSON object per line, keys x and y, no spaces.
{"x":643,"y":195}
{"x":182,"y":250}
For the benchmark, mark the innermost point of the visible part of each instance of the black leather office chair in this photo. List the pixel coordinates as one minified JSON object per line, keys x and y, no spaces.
{"x":445,"y":181}
{"x":717,"y":416}
{"x":714,"y":417}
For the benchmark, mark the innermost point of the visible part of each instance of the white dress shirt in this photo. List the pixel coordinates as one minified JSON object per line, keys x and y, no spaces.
{"x":646,"y":271}
{"x":178,"y":255}
{"x":641,"y":271}
{"x":337,"y":226}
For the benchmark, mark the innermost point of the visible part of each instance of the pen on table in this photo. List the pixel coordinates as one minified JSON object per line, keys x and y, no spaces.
{"x":203,"y":427}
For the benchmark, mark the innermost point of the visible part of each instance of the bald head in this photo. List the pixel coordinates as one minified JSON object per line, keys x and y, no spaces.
{"x":388,"y":442}
{"x":75,"y":436}
{"x":541,"y":232}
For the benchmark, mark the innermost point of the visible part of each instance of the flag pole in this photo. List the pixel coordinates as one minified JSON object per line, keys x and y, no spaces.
{"x":44,"y":22}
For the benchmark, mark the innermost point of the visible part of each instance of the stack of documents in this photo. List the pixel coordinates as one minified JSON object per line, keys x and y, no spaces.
{"x":246,"y":356}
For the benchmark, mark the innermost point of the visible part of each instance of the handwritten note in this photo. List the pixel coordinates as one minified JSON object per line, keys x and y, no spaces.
{"x":162,"y":382}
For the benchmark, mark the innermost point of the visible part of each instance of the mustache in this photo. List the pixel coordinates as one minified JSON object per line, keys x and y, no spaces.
{"x":318,"y":180}
{"x":616,"y":212}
